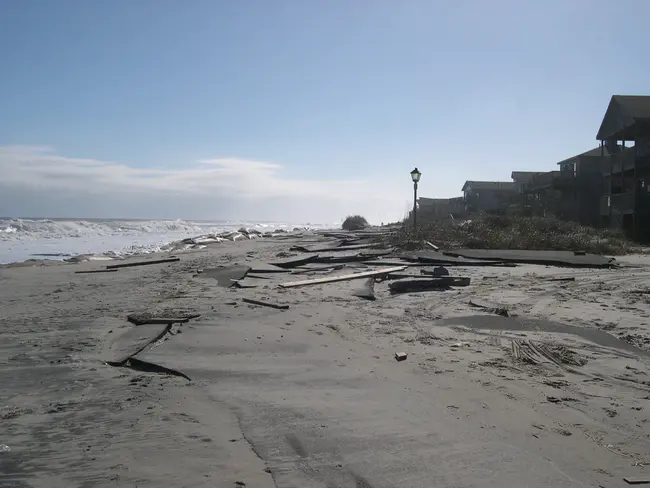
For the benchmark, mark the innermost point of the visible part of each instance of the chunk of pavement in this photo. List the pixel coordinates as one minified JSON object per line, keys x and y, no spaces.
{"x":258,"y":267}
{"x":227,"y":276}
{"x":400,"y":356}
{"x":439,"y":271}
{"x":551,"y":258}
{"x":367,"y":290}
{"x":133,"y":341}
{"x":442,"y":283}
{"x":296,"y":261}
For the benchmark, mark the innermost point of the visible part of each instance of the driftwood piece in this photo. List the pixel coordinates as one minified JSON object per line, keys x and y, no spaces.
{"x":347,"y":277}
{"x":142,"y":263}
{"x":265,"y":304}
{"x":142,"y":318}
{"x":96,"y":271}
{"x":167,"y":320}
{"x":432,"y":246}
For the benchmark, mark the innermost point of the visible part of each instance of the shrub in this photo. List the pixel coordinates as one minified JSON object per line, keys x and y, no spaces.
{"x":354,"y":222}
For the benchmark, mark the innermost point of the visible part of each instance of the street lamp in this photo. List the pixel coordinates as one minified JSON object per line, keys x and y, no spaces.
{"x":415,"y":176}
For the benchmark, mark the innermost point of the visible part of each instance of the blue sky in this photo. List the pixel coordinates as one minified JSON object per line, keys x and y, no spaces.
{"x":294,"y":109}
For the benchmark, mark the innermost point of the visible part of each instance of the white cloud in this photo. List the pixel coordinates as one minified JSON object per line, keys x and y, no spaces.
{"x":48,"y":183}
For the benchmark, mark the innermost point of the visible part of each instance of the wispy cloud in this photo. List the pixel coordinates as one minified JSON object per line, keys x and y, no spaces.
{"x":223,"y":179}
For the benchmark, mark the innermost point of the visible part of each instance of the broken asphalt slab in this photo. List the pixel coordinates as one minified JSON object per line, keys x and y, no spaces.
{"x":296,"y":261}
{"x":551,"y":258}
{"x":438,"y":258}
{"x":227,"y":276}
{"x":258,"y":267}
{"x":367,"y":290}
{"x":131,"y":342}
{"x":427,"y":284}
{"x":496,"y":322}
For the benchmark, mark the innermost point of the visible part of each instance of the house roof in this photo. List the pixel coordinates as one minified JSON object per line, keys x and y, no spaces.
{"x":622,"y":113}
{"x":524,"y":175}
{"x":489,"y":185}
{"x":591,"y":153}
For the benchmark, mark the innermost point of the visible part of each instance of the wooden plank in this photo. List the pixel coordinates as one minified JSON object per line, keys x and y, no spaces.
{"x":353,"y":276}
{"x":637,"y":481}
{"x":323,"y":268}
{"x":96,"y":271}
{"x":265,"y":304}
{"x":167,"y":320}
{"x":142,"y":263}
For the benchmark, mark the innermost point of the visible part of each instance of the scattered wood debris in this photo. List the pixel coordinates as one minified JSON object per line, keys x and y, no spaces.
{"x":96,"y":271}
{"x":637,"y":481}
{"x":142,"y":263}
{"x":433,"y":246}
{"x":142,"y":318}
{"x":166,"y":320}
{"x":332,"y":279}
{"x":265,"y":304}
{"x":535,"y":353}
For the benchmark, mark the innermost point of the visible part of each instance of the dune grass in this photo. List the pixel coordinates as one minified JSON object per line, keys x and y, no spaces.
{"x":515,"y":232}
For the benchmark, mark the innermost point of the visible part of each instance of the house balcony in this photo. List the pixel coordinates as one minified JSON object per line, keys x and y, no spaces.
{"x":553,"y":180}
{"x":618,"y":203}
{"x":540,"y":182}
{"x":619,"y":162}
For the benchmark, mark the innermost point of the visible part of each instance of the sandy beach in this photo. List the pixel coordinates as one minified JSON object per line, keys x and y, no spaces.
{"x":234,"y":394}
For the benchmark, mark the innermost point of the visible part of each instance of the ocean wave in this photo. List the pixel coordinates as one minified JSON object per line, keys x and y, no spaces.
{"x":22,"y":239}
{"x":58,"y":229}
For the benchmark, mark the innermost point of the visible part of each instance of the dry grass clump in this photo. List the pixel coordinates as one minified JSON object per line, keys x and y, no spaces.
{"x":515,"y":232}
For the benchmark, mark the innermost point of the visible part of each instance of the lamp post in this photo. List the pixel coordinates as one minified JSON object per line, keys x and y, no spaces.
{"x":415,"y":176}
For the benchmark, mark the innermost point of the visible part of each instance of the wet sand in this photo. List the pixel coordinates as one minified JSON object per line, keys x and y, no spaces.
{"x":312,"y":396}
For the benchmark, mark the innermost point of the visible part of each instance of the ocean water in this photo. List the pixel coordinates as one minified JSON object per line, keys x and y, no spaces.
{"x":22,"y":239}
